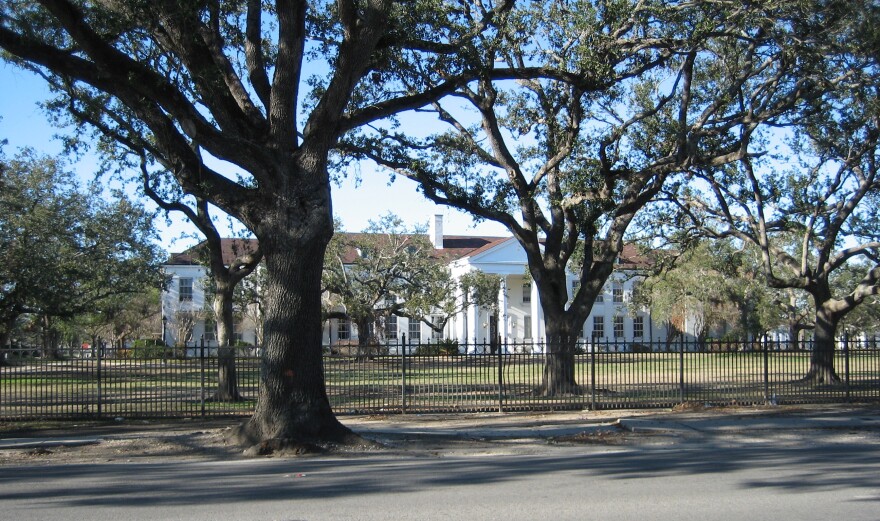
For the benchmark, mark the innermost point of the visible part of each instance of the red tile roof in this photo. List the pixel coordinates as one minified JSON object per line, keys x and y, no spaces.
{"x":454,"y":247}
{"x":232,"y":248}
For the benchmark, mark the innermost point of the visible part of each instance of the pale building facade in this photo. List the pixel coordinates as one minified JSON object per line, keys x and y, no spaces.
{"x":518,"y":324}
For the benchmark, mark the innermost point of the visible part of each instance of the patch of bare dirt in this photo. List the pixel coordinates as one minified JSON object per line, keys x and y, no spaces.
{"x":99,"y":444}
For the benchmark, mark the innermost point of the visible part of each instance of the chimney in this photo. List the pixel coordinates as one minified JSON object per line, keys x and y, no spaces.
{"x":435,"y":231}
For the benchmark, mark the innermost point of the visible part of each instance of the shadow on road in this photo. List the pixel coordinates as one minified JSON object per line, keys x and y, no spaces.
{"x":807,"y":467}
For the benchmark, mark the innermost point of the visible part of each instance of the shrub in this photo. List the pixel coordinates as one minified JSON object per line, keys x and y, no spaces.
{"x":149,"y":348}
{"x":446,"y":347}
{"x":637,"y":347}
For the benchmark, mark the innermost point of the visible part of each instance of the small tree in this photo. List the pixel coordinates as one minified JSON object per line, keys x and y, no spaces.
{"x":712,"y":287}
{"x":388,"y":269}
{"x":65,"y":251}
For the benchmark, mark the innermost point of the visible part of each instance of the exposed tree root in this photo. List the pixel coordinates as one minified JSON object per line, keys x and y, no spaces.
{"x":559,"y":390}
{"x":818,"y":375}
{"x":334,"y":437}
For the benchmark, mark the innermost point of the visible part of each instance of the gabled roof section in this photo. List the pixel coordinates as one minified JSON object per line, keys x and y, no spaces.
{"x":454,"y":247}
{"x":232,"y":248}
{"x":633,"y":258}
{"x":460,"y":246}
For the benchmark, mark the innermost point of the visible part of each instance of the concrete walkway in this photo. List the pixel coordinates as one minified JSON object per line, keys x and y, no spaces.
{"x":554,"y":425}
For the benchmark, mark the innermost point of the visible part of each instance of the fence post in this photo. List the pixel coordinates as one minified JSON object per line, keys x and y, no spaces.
{"x":681,"y":369}
{"x":766,"y":343}
{"x":202,"y":371}
{"x":501,"y":375}
{"x":846,"y":365}
{"x":403,"y":348}
{"x":97,"y":351}
{"x":593,"y":347}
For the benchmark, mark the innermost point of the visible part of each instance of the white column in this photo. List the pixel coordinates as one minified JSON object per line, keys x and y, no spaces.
{"x":461,"y":324}
{"x":503,"y":327}
{"x":473,"y":325}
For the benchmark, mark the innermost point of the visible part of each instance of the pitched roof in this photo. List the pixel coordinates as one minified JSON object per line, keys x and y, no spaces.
{"x":232,"y":248}
{"x":633,"y":257}
{"x":460,"y":246}
{"x":454,"y":247}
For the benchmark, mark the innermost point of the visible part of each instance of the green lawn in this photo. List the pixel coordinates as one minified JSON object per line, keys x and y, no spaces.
{"x":34,"y":388}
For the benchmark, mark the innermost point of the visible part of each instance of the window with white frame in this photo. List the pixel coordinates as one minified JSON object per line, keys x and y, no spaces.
{"x":618,"y":327}
{"x":436,"y":335}
{"x":638,"y":326}
{"x":185,"y":289}
{"x":598,"y":326}
{"x":415,"y":330}
{"x":527,"y":293}
{"x":527,"y":326}
{"x":617,"y":293}
{"x":210,"y":331}
{"x":343,"y":330}
{"x":391,"y":326}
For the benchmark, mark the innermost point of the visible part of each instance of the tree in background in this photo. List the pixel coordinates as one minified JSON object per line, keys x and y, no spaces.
{"x":220,"y":96}
{"x":864,"y":320}
{"x":713,"y":288}
{"x":611,"y":99}
{"x":65,"y":251}
{"x":128,"y":318}
{"x":826,"y":195}
{"x":392,"y":270}
{"x":225,"y":275}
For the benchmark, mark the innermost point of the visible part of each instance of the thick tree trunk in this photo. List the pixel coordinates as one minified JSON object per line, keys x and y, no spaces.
{"x":794,"y":333}
{"x":559,"y":378}
{"x":227,"y":377}
{"x":293,"y":410}
{"x":368,"y":340}
{"x":5,"y":347}
{"x":822,"y":356}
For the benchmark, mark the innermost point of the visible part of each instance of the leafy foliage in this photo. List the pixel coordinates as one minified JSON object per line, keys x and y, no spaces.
{"x":65,"y":251}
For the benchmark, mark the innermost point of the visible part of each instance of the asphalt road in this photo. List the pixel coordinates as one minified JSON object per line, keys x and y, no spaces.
{"x":830,"y":477}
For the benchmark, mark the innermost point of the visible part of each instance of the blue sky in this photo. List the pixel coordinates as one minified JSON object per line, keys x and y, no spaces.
{"x":24,"y":124}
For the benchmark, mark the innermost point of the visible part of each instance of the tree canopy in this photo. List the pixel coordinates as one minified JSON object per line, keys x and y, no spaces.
{"x":65,"y":250}
{"x":612,"y":99}
{"x":811,"y":208}
{"x":241,"y":104}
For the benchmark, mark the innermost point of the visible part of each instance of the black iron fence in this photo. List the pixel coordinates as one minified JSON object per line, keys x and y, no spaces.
{"x":436,"y":377}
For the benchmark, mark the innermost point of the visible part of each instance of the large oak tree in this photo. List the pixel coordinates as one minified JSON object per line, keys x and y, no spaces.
{"x":627,"y":94}
{"x":265,"y":89}
{"x":811,"y":208}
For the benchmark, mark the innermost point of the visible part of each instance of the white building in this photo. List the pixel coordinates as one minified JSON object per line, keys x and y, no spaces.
{"x":186,"y":315}
{"x":519,"y":323}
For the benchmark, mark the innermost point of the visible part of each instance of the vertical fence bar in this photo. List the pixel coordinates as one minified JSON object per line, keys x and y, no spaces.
{"x":501,"y":350}
{"x":97,"y":353}
{"x":202,"y":374}
{"x":846,"y":366}
{"x":593,"y":375}
{"x":403,"y":376}
{"x":766,"y":370}
{"x":681,"y":370}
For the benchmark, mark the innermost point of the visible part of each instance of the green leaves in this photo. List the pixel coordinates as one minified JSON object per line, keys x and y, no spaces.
{"x":386,"y":269}
{"x":64,"y":250}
